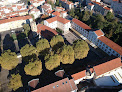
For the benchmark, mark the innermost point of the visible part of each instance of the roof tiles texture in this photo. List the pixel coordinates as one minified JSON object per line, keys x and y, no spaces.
{"x":56,"y":13}
{"x":98,"y":32}
{"x":111,"y":44}
{"x":60,"y":19}
{"x":64,"y":85}
{"x":81,"y":24}
{"x":101,"y":68}
{"x":15,"y":19}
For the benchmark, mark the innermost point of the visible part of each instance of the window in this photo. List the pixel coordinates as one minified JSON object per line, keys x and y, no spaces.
{"x":108,"y":52}
{"x":57,"y":86}
{"x":63,"y":83}
{"x":113,"y":51}
{"x":110,"y":49}
{"x":66,"y":81}
{"x":106,"y":46}
{"x":103,"y":44}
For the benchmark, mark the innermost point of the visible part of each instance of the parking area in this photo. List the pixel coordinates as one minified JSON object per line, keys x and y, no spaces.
{"x":70,"y":37}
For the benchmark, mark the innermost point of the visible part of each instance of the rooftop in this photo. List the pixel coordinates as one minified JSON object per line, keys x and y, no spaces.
{"x":81,"y":24}
{"x":64,"y":85}
{"x":45,"y":31}
{"x":56,"y":13}
{"x":60,"y":19}
{"x":111,"y":44}
{"x":99,"y":32}
{"x":101,"y":68}
{"x":15,"y":19}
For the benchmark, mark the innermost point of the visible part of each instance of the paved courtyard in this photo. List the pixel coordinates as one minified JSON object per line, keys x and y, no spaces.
{"x":70,"y":37}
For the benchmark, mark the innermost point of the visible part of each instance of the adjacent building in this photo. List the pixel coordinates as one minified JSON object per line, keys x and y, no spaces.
{"x":97,"y":37}
{"x":116,"y":5}
{"x":66,"y":4}
{"x":64,"y":85}
{"x":45,"y":32}
{"x":46,"y":9}
{"x":105,"y":74}
{"x":58,"y":22}
{"x":13,"y":23}
{"x":37,"y":3}
{"x":35,"y":12}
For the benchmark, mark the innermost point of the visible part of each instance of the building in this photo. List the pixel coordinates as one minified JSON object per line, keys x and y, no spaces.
{"x":66,"y":4}
{"x":45,"y":31}
{"x":90,"y":6}
{"x":64,"y":85}
{"x":46,"y":9}
{"x":116,"y":5}
{"x":13,"y":23}
{"x":35,"y":12}
{"x":60,"y":14}
{"x":107,"y":1}
{"x":97,"y":37}
{"x":58,"y":22}
{"x":59,"y":9}
{"x":106,"y":74}
{"x":37,"y":3}
{"x":13,"y":10}
{"x":101,"y":8}
{"x":80,"y":27}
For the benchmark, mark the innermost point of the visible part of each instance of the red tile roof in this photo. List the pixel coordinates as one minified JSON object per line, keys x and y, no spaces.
{"x":60,"y":19}
{"x":79,"y":75}
{"x":46,"y":31}
{"x":98,"y":32}
{"x":111,"y":44}
{"x":106,"y":8}
{"x":90,"y":4}
{"x":107,"y":66}
{"x":68,"y":2}
{"x":63,"y":11}
{"x":81,"y":24}
{"x":96,"y":2}
{"x":33,"y":83}
{"x":64,"y":85}
{"x":100,"y":69}
{"x":15,"y":19}
{"x":56,"y":13}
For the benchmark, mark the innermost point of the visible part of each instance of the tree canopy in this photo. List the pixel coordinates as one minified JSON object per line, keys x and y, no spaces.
{"x":28,"y":50}
{"x":8,"y":60}
{"x":67,"y":54}
{"x":15,"y":82}
{"x":52,"y":61}
{"x":57,"y":42}
{"x":26,"y":28}
{"x":81,"y":49}
{"x":43,"y":46}
{"x":33,"y":68}
{"x":109,"y":16}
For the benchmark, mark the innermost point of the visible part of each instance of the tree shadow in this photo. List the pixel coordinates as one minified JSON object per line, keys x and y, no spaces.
{"x":57,"y":46}
{"x":8,"y":43}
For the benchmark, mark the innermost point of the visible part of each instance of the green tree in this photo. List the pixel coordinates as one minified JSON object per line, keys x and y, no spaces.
{"x":33,"y":68}
{"x":109,"y":16}
{"x":15,"y":82}
{"x":43,"y":46}
{"x":52,"y":61}
{"x":26,"y":28}
{"x":86,"y":15}
{"x":60,"y":5}
{"x":81,"y":49}
{"x":67,"y":54}
{"x":8,"y":60}
{"x":57,"y":42}
{"x":28,"y":50}
{"x":72,"y":13}
{"x":57,"y":2}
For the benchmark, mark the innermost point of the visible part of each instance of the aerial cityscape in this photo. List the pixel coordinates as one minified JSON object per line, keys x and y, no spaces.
{"x":60,"y":45}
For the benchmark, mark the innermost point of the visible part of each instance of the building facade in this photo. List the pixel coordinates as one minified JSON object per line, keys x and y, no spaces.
{"x":13,"y":23}
{"x":58,"y":22}
{"x":97,"y":37}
